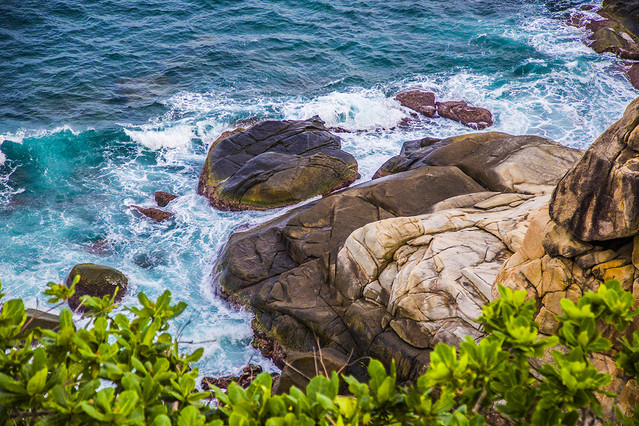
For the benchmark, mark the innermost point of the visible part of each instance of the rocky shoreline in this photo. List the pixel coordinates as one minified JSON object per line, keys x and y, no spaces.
{"x":393,"y":266}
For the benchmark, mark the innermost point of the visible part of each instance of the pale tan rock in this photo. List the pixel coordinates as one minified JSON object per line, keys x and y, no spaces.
{"x":437,"y":269}
{"x":531,"y":246}
{"x":548,"y":324}
{"x":506,"y":199}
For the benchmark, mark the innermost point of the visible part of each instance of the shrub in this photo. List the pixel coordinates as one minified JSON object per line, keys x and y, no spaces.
{"x":121,"y":371}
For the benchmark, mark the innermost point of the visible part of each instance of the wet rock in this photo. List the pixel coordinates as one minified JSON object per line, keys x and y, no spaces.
{"x":268,"y":346}
{"x":616,"y":32}
{"x":498,"y":161}
{"x":274,"y":164}
{"x":163,"y":198}
{"x":153,"y":213}
{"x":595,"y":200}
{"x":632,"y":72}
{"x":244,"y":380}
{"x":418,"y":100}
{"x":473,"y":117}
{"x":96,"y":280}
{"x":100,"y":247}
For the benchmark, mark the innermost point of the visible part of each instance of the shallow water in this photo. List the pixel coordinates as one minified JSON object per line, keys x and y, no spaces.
{"x":103,"y":104}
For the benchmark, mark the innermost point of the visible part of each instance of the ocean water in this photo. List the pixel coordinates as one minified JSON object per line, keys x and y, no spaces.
{"x":103,"y":103}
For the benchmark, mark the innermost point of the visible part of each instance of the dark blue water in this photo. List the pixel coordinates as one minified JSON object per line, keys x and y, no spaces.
{"x":103,"y":103}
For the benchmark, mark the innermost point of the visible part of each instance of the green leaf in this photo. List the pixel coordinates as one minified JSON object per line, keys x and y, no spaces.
{"x":35,"y":385}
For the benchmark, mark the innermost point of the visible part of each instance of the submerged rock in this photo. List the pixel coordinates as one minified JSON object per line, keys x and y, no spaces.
{"x":275,"y":164}
{"x":595,"y":201}
{"x":96,"y":280}
{"x":473,"y":117}
{"x":418,"y":100}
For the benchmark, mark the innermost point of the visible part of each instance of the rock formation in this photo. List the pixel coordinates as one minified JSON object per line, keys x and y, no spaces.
{"x":418,"y":100}
{"x":275,"y":164}
{"x":355,"y":273}
{"x":424,"y":103}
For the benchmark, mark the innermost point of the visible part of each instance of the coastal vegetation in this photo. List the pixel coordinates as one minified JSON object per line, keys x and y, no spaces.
{"x":123,"y":367}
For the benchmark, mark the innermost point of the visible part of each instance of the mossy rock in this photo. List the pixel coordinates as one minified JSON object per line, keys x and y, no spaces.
{"x":96,"y":280}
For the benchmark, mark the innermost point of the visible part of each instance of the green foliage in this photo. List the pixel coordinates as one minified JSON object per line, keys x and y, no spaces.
{"x":117,"y":370}
{"x":111,"y":370}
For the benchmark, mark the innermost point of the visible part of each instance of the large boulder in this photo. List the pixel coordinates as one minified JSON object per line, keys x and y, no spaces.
{"x":431,"y":274}
{"x":96,"y":280}
{"x":274,"y":164}
{"x":498,"y":161}
{"x":595,"y":201}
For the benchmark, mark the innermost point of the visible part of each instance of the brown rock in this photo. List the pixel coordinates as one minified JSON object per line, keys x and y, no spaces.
{"x":275,"y":164}
{"x":473,"y":117}
{"x":595,"y":200}
{"x":500,"y":162}
{"x":418,"y":100}
{"x":163,"y":198}
{"x":283,"y":269}
{"x":96,"y":280}
{"x":632,"y":72}
{"x":153,"y":213}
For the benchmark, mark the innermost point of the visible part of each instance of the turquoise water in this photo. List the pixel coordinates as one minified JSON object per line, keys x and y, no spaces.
{"x":103,"y":104}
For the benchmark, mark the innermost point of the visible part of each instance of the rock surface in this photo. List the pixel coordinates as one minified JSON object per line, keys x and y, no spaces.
{"x":330,"y":274}
{"x":418,"y":100}
{"x":498,"y":161}
{"x":553,"y":264}
{"x":615,"y":30}
{"x":163,"y":198}
{"x":473,"y":117}
{"x":249,"y":373}
{"x":96,"y":280}
{"x":595,"y":201}
{"x":153,"y":213}
{"x":274,"y":164}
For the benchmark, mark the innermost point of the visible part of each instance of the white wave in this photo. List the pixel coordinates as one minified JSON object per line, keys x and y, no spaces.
{"x":20,"y":135}
{"x":154,"y":138}
{"x":3,"y":158}
{"x":363,"y":109}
